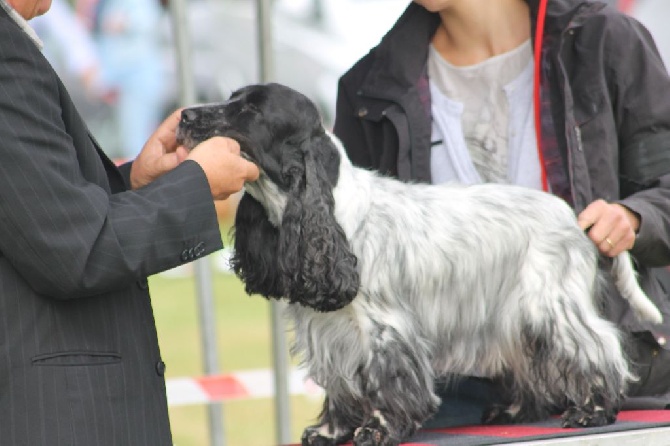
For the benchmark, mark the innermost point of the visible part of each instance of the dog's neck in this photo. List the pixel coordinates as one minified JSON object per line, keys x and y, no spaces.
{"x":265,"y":191}
{"x":350,"y":200}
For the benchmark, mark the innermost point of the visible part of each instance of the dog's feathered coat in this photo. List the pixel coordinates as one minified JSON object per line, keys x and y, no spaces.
{"x":392,"y":284}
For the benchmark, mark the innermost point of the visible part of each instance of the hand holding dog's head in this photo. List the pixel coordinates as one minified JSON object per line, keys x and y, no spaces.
{"x":251,"y":117}
{"x":300,"y":252}
{"x":225,"y":169}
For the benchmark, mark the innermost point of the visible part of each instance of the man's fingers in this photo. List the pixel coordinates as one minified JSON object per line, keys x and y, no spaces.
{"x":230,"y":144}
{"x":172,"y":121}
{"x":181,"y":153}
{"x":167,"y":131}
{"x":252,"y":171}
{"x":166,"y":163}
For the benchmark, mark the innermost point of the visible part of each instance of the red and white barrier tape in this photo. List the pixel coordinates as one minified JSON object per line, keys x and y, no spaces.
{"x":234,"y":386}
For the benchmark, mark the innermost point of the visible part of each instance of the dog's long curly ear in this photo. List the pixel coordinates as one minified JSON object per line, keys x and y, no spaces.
{"x":254,"y":259}
{"x":318,"y":267}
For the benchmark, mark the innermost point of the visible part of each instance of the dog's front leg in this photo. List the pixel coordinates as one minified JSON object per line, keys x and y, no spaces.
{"x":398,"y":382}
{"x":340,"y":415}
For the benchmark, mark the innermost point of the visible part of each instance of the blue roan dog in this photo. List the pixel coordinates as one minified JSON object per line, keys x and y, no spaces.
{"x":391,"y":285}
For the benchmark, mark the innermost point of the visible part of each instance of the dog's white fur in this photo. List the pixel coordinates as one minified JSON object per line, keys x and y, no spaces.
{"x":492,"y":280}
{"x":459,"y":272}
{"x":438,"y":254}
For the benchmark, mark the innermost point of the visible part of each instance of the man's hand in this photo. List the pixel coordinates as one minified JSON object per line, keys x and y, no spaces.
{"x":160,"y":154}
{"x":225,"y":169}
{"x":611,"y":226}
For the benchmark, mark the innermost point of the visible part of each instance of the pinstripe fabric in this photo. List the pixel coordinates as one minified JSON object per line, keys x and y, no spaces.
{"x":79,"y":356}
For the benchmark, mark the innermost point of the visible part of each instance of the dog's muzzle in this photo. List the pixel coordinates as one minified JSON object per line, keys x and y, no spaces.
{"x":185,"y":130}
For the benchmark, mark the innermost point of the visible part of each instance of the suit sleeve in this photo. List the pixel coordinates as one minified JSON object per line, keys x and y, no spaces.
{"x":62,"y":229}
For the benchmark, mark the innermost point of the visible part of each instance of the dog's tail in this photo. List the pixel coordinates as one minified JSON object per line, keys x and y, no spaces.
{"x":627,"y":284}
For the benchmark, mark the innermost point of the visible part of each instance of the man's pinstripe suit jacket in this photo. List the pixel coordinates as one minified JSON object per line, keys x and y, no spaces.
{"x":79,"y":356}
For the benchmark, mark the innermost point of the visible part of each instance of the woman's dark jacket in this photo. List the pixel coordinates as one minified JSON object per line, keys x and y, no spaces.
{"x":606,"y":110}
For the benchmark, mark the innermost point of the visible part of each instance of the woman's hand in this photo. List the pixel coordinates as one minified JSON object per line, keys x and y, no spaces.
{"x":611,"y":226}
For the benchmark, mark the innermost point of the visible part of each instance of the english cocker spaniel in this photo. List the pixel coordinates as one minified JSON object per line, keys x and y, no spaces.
{"x":391,"y":285}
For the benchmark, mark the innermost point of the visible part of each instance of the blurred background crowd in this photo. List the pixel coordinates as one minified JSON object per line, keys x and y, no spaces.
{"x":117,"y":56}
{"x":109,"y":52}
{"x":118,"y":60}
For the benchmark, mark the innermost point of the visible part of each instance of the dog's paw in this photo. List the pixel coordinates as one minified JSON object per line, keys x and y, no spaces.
{"x":312,"y":436}
{"x":319,"y":435}
{"x":374,"y":436}
{"x":497,"y":414}
{"x":375,"y":432}
{"x":587,"y":417}
{"x":513,"y":414}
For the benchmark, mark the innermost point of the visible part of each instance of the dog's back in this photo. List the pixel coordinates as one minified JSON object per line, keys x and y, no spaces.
{"x":479,"y":231}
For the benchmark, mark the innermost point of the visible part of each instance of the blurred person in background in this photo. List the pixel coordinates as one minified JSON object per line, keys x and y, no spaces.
{"x":67,"y":39}
{"x":448,"y":95}
{"x":71,"y":50}
{"x":128,"y":40}
{"x":80,"y":362}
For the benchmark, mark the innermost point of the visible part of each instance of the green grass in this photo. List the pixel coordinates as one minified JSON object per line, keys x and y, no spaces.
{"x":243,"y":341}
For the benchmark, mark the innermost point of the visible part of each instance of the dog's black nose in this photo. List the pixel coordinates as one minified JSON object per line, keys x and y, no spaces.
{"x":188,"y":115}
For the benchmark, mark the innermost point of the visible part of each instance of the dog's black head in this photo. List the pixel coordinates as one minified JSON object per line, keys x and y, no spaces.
{"x":305,"y":256}
{"x":265,"y":119}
